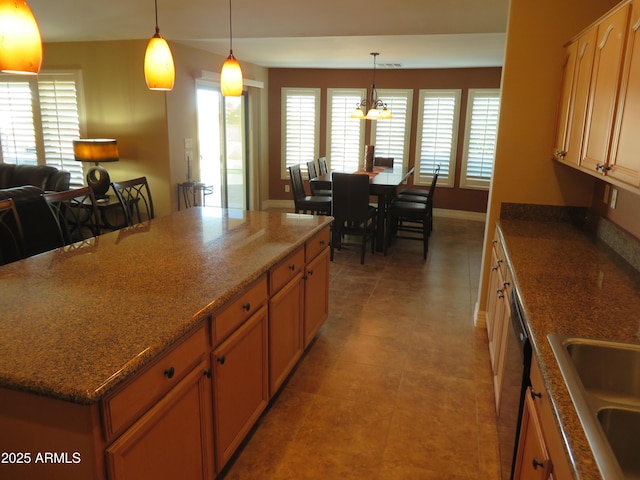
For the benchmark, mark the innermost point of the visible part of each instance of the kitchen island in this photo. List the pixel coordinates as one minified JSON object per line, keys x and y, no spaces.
{"x":571,"y":283}
{"x":91,"y":331}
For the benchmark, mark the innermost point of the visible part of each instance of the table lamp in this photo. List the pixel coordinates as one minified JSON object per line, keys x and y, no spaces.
{"x":97,"y":150}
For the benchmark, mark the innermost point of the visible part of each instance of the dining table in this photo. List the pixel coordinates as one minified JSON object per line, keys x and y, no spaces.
{"x":383,"y":183}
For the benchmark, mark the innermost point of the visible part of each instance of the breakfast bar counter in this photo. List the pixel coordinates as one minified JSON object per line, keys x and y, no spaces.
{"x":76,"y":321}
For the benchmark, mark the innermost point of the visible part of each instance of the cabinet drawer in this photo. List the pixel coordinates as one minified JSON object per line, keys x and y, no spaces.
{"x":315,"y":245}
{"x":245,"y":305}
{"x":288,"y":268}
{"x":129,"y":402}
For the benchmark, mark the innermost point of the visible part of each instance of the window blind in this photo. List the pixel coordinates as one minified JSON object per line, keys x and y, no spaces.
{"x":300,"y":127}
{"x":17,"y":129}
{"x":345,"y":149}
{"x":437,"y":135}
{"x":391,"y":137}
{"x":480,"y":138}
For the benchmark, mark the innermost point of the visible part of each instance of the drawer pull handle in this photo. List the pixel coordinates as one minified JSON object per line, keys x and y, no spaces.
{"x":310,"y":272}
{"x":322,"y":243}
{"x":246,"y":307}
{"x":537,"y":463}
{"x":221,"y":360}
{"x":535,"y":394}
{"x":292,"y":267}
{"x":170,"y":372}
{"x":207,"y":373}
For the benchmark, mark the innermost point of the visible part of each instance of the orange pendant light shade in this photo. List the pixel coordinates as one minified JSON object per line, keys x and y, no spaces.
{"x":20,"y":41}
{"x":231,"y":77}
{"x":159,"y":70}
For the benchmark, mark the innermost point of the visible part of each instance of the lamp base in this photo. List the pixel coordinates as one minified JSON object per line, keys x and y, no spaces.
{"x":99,"y":181}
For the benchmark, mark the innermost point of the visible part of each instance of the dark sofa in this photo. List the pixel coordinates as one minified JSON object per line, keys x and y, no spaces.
{"x":25,"y":184}
{"x":44,"y":177}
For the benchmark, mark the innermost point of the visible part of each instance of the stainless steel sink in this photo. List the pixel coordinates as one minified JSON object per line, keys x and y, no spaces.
{"x":603,"y":379}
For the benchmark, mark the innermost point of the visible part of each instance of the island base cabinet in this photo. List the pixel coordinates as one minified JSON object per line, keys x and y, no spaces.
{"x":173,"y":439}
{"x":316,"y":294}
{"x":285,"y":332}
{"x":240,"y":384}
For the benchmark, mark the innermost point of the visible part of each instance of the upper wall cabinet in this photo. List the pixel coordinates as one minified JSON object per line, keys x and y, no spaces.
{"x":600,"y":98}
{"x":625,"y":153}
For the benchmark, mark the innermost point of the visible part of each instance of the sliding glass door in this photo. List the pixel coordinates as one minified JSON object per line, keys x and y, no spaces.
{"x":222,"y":141}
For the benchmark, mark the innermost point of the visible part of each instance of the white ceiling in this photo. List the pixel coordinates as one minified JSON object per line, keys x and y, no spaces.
{"x":298,"y":33}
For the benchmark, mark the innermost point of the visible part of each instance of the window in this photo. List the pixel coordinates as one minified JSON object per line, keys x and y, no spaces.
{"x":437,"y":136}
{"x":300,"y":127}
{"x":39,"y":119}
{"x":480,"y":138}
{"x":391,"y":137}
{"x":345,"y":134}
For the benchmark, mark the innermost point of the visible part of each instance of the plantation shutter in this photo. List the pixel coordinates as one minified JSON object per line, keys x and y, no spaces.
{"x":300,"y":127}
{"x":345,"y":133}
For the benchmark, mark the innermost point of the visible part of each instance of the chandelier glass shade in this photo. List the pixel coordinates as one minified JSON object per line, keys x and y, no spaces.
{"x":159,"y":69}
{"x":376,"y":109}
{"x":20,"y":40}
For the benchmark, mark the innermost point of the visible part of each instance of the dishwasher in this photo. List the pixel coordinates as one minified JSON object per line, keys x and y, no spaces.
{"x":517,"y":364}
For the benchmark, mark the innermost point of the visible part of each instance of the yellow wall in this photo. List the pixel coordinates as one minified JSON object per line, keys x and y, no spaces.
{"x":531,"y":77}
{"x":150,"y":126}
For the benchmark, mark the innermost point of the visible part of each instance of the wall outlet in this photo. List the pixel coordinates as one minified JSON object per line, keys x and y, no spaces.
{"x":286,"y":189}
{"x":614,"y":198}
{"x":187,"y":155}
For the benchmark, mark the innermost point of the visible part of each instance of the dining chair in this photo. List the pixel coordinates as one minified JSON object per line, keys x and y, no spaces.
{"x":315,"y":204}
{"x":352,"y":213}
{"x":313,"y":173}
{"x":76,"y":214}
{"x":383,"y":162}
{"x":411,"y":218}
{"x":135,"y":198}
{"x":12,"y":246}
{"x":322,"y":166}
{"x":421,"y":195}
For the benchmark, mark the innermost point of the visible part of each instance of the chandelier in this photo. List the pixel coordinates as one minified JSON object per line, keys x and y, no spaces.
{"x":376,"y":108}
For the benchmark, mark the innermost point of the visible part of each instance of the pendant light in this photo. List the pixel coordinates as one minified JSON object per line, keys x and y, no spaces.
{"x":231,"y":74}
{"x":159,"y":71}
{"x":20,"y":41}
{"x":376,"y":108}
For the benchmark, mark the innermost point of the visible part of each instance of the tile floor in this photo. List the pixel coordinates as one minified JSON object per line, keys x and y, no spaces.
{"x":397,"y":384}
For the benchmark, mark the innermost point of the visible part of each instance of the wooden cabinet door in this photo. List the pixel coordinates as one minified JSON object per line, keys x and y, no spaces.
{"x":607,"y":66}
{"x":285,"y":331}
{"x":173,"y":439}
{"x":625,"y":157}
{"x":316,"y":295}
{"x":240,"y":384}
{"x":532,"y":462}
{"x":575,"y":93}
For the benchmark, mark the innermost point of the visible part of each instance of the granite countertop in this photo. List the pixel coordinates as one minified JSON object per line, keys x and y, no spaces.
{"x":78,"y":320}
{"x":570,"y":283}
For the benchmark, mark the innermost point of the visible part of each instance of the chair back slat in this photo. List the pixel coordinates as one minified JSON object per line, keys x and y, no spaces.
{"x":12,"y":246}
{"x":135,"y":198}
{"x":322,"y":166}
{"x":76,"y":214}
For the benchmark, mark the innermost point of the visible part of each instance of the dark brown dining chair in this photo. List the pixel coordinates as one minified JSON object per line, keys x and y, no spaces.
{"x":352,"y":213}
{"x":313,"y":173}
{"x":76,"y":214}
{"x":322,"y":166}
{"x":135,"y":198}
{"x":12,"y":246}
{"x":411,"y":220}
{"x":421,"y":195}
{"x":383,"y":162}
{"x":316,"y":204}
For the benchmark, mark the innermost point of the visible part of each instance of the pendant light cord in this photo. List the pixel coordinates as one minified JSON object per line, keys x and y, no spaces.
{"x":230,"y":30}
{"x":157,"y":29}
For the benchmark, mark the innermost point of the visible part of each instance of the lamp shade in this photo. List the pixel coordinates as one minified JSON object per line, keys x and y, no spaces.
{"x":231,"y":77}
{"x":20,"y":41}
{"x":96,"y":150}
{"x":159,"y":70}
